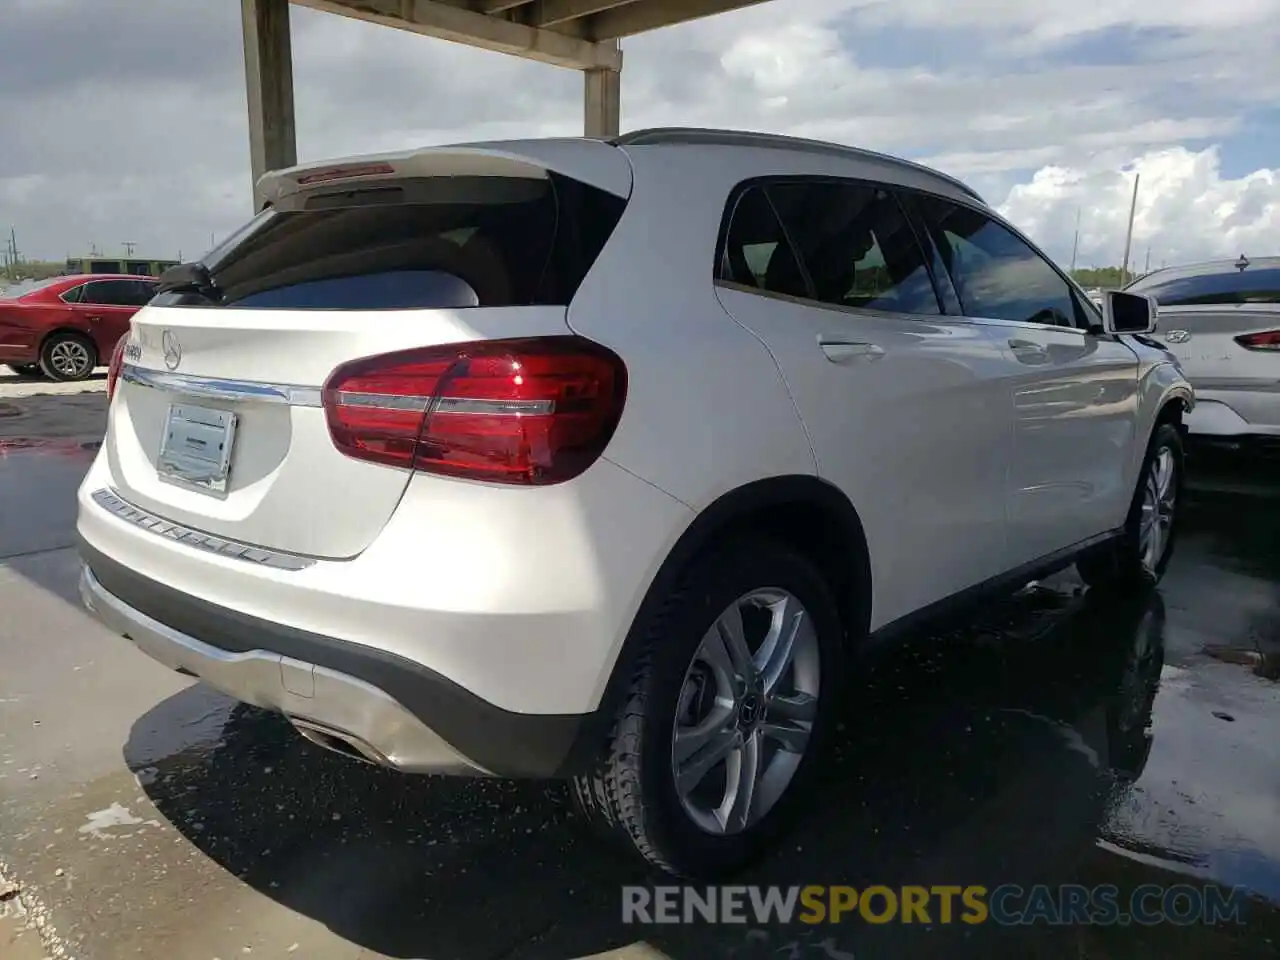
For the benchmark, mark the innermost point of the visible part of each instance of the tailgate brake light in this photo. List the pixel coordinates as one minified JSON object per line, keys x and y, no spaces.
{"x":522,"y":411}
{"x":1267,"y":340}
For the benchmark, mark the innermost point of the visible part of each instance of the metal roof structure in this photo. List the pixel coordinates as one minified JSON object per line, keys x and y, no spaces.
{"x":578,"y":34}
{"x":568,"y":33}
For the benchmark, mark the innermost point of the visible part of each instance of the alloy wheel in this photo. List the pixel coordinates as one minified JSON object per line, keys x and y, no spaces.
{"x":1159,"y":501}
{"x":69,"y":358}
{"x":746,"y":711}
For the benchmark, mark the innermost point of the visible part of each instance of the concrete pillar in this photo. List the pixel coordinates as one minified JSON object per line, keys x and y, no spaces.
{"x":602,"y":102}
{"x":268,"y":70}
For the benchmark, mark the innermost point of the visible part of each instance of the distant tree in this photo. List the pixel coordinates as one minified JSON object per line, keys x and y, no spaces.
{"x":1108,"y":278}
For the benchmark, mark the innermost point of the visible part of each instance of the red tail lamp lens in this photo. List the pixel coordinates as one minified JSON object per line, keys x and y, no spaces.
{"x":528,"y":411}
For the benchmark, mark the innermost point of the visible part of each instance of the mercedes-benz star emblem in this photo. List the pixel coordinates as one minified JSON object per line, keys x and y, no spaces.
{"x":172,"y":349}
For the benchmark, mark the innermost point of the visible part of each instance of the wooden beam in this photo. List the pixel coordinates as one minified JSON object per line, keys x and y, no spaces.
{"x":498,"y":6}
{"x":602,"y":103}
{"x":547,"y":13}
{"x":435,"y":19}
{"x":653,"y":14}
{"x":268,"y":69}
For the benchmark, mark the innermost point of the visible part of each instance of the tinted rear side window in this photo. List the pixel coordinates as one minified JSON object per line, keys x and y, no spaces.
{"x":1236,"y":286}
{"x":857,"y":246}
{"x":438,"y":242}
{"x":116,"y":293}
{"x":757,"y":252}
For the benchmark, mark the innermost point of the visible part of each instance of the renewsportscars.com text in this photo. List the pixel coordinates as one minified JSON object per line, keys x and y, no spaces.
{"x":1007,"y":905}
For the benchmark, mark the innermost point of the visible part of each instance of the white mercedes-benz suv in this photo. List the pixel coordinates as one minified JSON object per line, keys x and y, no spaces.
{"x":601,"y":460}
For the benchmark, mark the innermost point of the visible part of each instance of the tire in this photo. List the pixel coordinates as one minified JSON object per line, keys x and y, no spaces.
{"x":25,"y":369}
{"x":1129,"y":564}
{"x":68,"y":356}
{"x":631,"y":795}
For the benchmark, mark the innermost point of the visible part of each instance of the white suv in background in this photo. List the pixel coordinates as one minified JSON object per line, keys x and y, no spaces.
{"x":599,"y":460}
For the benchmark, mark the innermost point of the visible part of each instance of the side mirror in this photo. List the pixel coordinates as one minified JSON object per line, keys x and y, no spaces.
{"x":1128,"y":312}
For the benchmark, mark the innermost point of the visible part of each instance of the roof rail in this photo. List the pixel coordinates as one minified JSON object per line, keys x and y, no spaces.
{"x":747,"y":138}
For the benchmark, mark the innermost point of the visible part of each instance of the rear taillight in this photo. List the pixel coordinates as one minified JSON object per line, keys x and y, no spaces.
{"x":1267,"y":340}
{"x":113,"y":368}
{"x":535,"y":411}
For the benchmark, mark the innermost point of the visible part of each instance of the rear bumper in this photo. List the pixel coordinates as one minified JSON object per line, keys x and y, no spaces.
{"x":343,"y":695}
{"x":1239,"y":413}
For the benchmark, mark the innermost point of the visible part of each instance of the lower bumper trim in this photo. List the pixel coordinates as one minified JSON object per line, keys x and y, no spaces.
{"x":312,"y":697}
{"x":346,"y":696}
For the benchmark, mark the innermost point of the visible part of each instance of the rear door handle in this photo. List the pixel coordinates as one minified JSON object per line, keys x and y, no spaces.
{"x":849,"y":351}
{"x":1028,"y":352}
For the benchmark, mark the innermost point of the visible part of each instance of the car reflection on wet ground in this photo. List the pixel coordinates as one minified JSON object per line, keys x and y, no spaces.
{"x":1057,"y":737}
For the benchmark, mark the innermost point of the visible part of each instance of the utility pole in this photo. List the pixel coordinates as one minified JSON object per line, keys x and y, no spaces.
{"x":1128,"y":237}
{"x":128,"y":247}
{"x":1147,"y":268}
{"x":1075,"y":244}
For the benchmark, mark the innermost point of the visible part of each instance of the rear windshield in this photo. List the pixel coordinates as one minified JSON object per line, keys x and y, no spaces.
{"x":442,"y":242}
{"x":1255,"y":285}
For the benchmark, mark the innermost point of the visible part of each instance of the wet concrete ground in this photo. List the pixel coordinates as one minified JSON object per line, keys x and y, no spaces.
{"x":1056,"y":738}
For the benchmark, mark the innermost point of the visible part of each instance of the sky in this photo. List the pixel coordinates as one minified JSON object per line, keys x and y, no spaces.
{"x":126,"y":121}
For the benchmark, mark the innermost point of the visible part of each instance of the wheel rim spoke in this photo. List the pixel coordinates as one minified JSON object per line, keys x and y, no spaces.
{"x":744,"y":773}
{"x":705,"y":735}
{"x":789,"y":737}
{"x":802,"y":707}
{"x":774,"y":656}
{"x":715,"y":749}
{"x":727,"y":644}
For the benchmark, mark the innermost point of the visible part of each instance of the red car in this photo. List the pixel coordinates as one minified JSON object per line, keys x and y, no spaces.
{"x":67,"y":326}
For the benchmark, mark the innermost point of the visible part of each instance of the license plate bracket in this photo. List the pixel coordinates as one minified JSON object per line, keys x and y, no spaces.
{"x":196,"y":448}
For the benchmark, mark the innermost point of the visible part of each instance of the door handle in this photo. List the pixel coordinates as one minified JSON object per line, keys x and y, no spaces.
{"x":1028,"y":352}
{"x":849,"y":351}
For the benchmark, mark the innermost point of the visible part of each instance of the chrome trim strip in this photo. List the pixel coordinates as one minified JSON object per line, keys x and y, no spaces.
{"x":418,"y":404}
{"x":527,"y":408}
{"x":215,"y":388}
{"x":384,"y":401}
{"x":220,"y":546}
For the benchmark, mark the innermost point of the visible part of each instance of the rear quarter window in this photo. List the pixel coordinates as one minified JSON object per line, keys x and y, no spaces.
{"x":454,"y":242}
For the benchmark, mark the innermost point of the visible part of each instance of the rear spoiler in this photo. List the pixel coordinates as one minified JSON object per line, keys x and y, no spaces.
{"x":593,"y":162}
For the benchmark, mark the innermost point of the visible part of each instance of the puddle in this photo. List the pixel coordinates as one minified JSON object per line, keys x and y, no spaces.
{"x":113,"y":816}
{"x":47,"y":445}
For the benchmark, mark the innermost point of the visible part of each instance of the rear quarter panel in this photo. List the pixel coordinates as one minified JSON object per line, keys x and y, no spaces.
{"x":707,"y":410}
{"x":24,"y":327}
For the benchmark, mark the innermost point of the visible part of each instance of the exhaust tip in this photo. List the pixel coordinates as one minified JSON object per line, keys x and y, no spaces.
{"x":339,"y":741}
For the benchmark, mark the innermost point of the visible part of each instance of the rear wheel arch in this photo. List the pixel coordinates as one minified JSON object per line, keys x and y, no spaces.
{"x":1173,"y":410}
{"x":70,"y":331}
{"x":802,"y":512}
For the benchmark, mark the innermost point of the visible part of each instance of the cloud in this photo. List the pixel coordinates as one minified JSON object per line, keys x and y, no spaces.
{"x":126,"y":121}
{"x":1186,"y":209}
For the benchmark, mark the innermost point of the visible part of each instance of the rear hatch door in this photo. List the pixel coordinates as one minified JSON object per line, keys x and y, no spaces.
{"x":217,"y":422}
